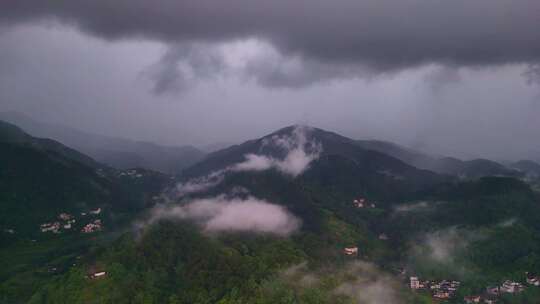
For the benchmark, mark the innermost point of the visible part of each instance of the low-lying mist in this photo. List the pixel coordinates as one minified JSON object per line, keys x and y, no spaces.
{"x":222,"y":214}
{"x":354,"y":282}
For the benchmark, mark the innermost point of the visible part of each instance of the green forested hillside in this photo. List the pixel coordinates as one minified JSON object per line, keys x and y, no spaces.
{"x":412,"y":222}
{"x":37,"y":184}
{"x":12,"y":134}
{"x":120,"y":153}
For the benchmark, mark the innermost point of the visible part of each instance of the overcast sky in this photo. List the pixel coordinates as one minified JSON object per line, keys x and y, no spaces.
{"x":456,"y":77}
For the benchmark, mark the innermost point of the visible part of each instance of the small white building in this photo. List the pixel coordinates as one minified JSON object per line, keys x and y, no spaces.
{"x":92,"y":227}
{"x":494,"y":290}
{"x":97,"y":211}
{"x":65,"y":216}
{"x":512,"y":287}
{"x":99,"y":274}
{"x":472,"y":299}
{"x":53,"y":227}
{"x":414,"y":283}
{"x":350,"y":250}
{"x":383,"y":237}
{"x":359,"y":203}
{"x":532,"y":279}
{"x":441,"y":294}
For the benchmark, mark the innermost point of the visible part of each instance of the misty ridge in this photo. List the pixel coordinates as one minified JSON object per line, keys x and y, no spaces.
{"x":296,"y":152}
{"x":249,"y":214}
{"x":299,"y":153}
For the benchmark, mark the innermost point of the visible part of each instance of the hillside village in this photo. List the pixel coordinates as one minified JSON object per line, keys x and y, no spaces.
{"x":446,"y":289}
{"x":66,"y":222}
{"x":363,"y":203}
{"x":131,"y":173}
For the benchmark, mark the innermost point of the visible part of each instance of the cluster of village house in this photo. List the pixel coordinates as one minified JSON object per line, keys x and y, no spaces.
{"x":67,"y":220}
{"x":130,"y":173}
{"x":92,"y":227}
{"x":446,"y":289}
{"x":363,"y":203}
{"x":507,"y":286}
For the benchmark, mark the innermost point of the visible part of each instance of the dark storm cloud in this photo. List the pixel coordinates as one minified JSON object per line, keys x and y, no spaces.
{"x":298,"y":72}
{"x":53,"y":70}
{"x":182,"y":66}
{"x":329,"y":39}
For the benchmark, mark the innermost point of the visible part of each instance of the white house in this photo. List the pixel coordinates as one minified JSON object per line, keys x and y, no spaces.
{"x":350,"y":250}
{"x":97,"y":211}
{"x":414,"y":283}
{"x":472,"y":299}
{"x":98,"y":274}
{"x":532,"y":279}
{"x":511,"y":287}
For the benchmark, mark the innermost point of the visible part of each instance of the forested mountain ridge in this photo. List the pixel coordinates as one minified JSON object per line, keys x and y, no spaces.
{"x":12,"y":134}
{"x":470,"y":169}
{"x":41,"y":178}
{"x":116,"y":152}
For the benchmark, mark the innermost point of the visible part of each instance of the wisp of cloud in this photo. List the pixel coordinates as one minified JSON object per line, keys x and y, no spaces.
{"x":363,"y":282}
{"x":221,"y":214}
{"x":299,"y":153}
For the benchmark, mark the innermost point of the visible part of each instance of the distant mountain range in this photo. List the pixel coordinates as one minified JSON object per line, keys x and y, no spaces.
{"x":531,"y":168}
{"x":444,"y":165}
{"x":11,"y":134}
{"x":123,"y":153}
{"x":116,"y":152}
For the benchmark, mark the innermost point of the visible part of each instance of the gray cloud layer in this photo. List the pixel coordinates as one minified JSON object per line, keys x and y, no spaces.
{"x":325,"y":39}
{"x":61,"y":75}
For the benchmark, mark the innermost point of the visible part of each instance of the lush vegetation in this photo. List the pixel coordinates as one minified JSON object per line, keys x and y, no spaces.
{"x":479,"y":231}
